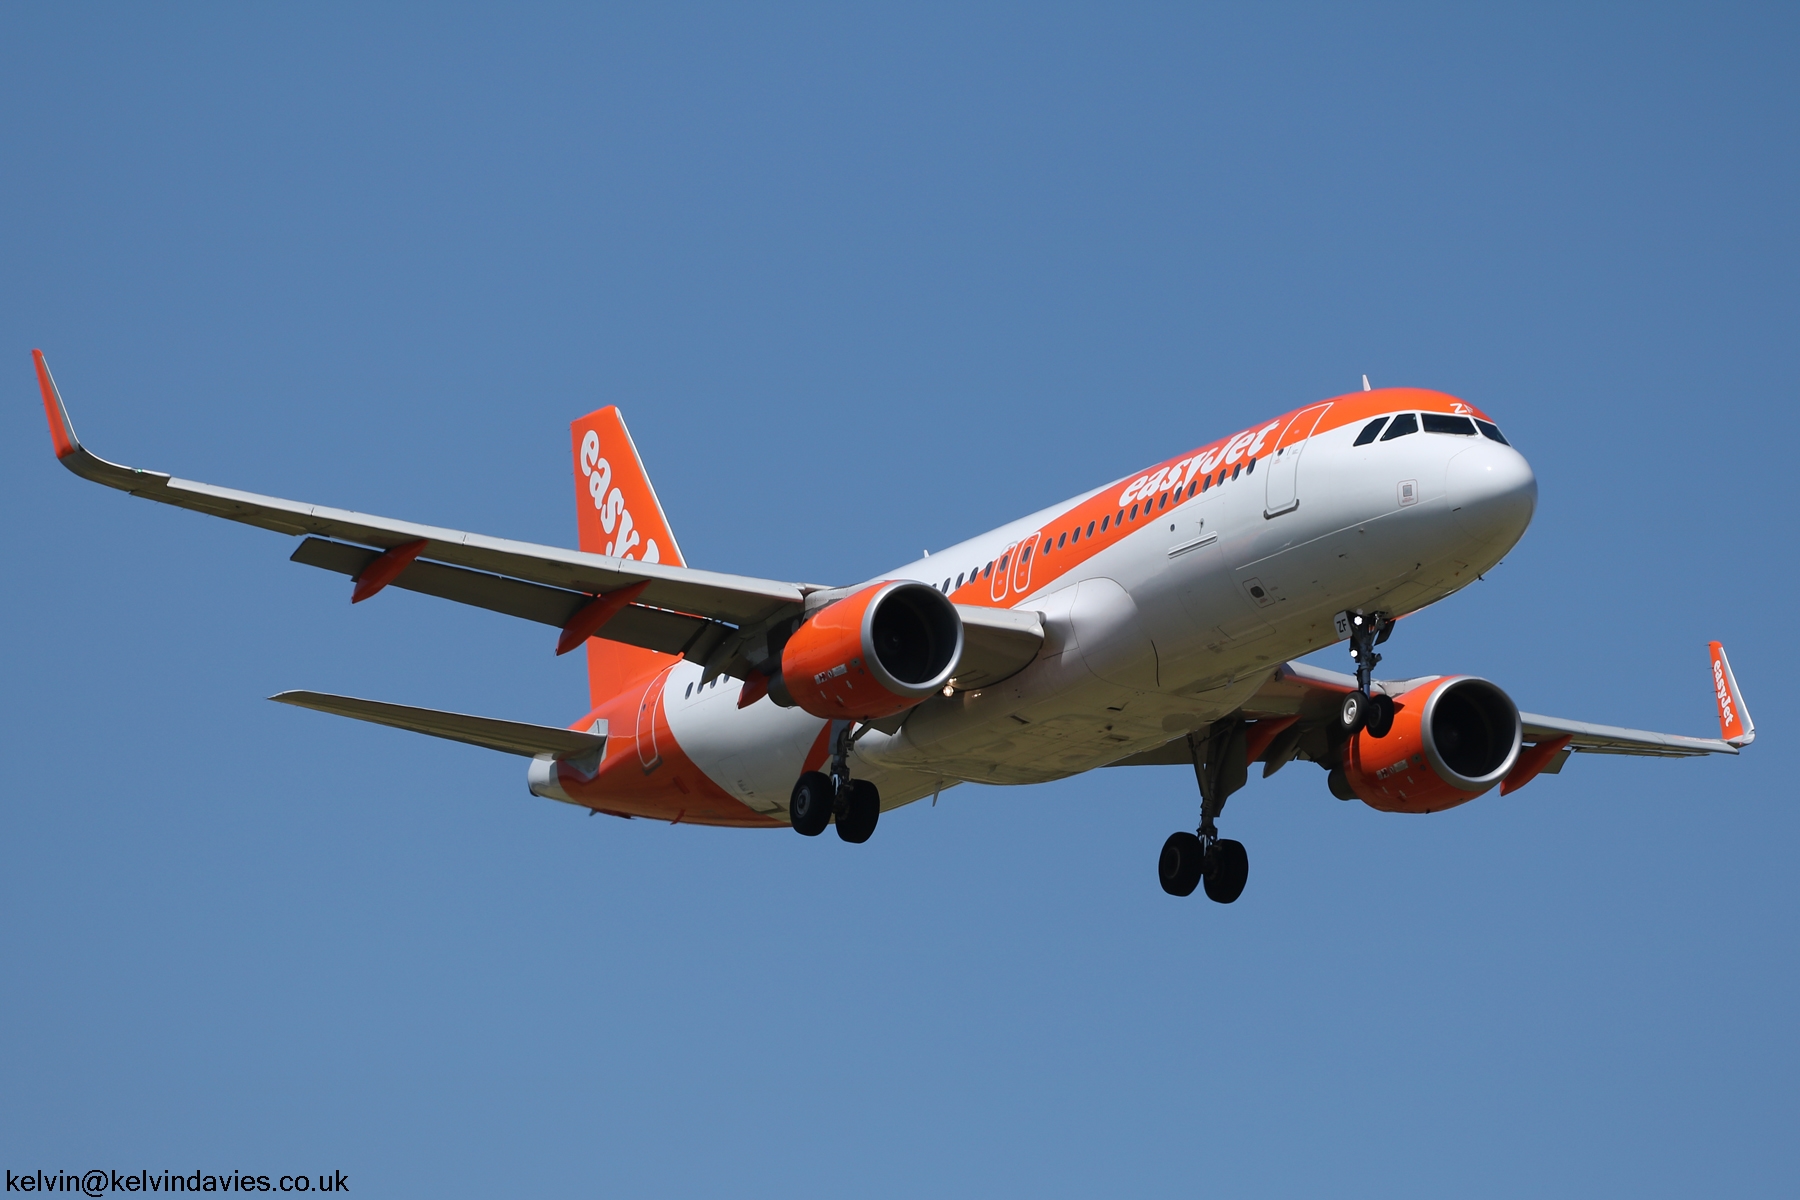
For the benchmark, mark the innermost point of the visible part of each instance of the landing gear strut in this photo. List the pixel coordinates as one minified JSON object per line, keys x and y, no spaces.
{"x":1190,"y":859}
{"x":817,"y":797}
{"x":1360,"y":709}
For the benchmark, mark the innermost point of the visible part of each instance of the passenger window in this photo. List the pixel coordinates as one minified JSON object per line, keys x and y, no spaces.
{"x":1025,"y":557}
{"x":1162,"y":501}
{"x":1065,"y":537}
{"x":1403,"y":424}
{"x":1103,"y":521}
{"x":1003,"y":559}
{"x":946,"y":587}
{"x":1090,"y":529}
{"x":1205,"y":482}
{"x":1369,"y":431}
{"x":1236,"y":469}
{"x":1250,"y":467}
{"x":690,"y":690}
{"x":1491,"y":431}
{"x":987,"y":571}
{"x":1134,"y":512}
{"x":959,"y":579}
{"x":1446,"y":423}
{"x":1191,"y":488}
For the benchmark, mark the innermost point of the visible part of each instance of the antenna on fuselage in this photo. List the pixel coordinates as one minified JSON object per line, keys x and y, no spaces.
{"x":1366,"y":386}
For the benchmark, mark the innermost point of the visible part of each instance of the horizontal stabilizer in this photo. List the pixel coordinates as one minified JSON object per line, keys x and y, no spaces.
{"x":509,"y":737}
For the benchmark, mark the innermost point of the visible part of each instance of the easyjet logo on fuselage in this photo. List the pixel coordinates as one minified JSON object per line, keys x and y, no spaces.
{"x":609,"y":502}
{"x":1011,"y":572}
{"x":1182,"y":472}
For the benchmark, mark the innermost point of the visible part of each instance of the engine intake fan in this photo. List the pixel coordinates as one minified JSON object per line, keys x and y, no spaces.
{"x":872,"y":654}
{"x":1452,"y":740}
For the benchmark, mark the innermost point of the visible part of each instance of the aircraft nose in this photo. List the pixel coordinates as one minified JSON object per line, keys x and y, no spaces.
{"x":1492,"y":492}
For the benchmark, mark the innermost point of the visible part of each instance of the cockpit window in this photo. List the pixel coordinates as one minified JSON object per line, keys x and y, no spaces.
{"x":1446,"y":423}
{"x":1491,"y":431}
{"x":1403,"y":424}
{"x":1370,"y":430}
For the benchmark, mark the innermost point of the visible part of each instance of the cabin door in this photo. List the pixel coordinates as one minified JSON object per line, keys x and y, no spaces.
{"x":1283,"y":494}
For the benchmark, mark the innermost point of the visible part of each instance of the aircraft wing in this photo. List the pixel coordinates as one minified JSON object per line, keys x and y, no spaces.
{"x":1299,"y":701}
{"x":714,"y":619}
{"x":1309,"y":691}
{"x":1610,"y":739}
{"x":678,"y":610}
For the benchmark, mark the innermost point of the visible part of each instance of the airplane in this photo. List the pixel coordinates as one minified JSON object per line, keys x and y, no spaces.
{"x":1155,"y":619}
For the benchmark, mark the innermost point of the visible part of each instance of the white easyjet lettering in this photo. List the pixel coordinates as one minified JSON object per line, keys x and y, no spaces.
{"x":610,"y":502}
{"x":1256,"y":446}
{"x":1182,"y":473}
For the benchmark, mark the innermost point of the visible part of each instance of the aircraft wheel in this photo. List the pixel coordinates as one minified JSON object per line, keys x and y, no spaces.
{"x":1352,"y":712}
{"x":1230,"y":871}
{"x":862,"y":812}
{"x":809,"y":808}
{"x":1381,"y":716}
{"x":1182,"y":862}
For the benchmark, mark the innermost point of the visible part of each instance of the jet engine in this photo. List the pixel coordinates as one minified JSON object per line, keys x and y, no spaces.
{"x":872,"y":654}
{"x":1452,"y":739}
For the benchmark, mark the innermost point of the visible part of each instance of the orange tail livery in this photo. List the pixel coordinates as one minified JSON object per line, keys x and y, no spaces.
{"x":617,"y":514}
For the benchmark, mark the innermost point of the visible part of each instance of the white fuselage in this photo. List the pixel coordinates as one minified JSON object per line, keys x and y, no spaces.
{"x":1168,"y":628}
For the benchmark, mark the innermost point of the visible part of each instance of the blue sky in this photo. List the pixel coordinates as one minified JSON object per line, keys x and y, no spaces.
{"x":866,"y":282}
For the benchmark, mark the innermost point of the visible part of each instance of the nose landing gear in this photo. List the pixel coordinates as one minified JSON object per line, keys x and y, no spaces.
{"x":1360,"y":710}
{"x":817,"y":797}
{"x":1192,"y":859}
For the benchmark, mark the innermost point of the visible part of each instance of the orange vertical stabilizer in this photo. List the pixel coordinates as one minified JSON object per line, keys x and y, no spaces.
{"x":617,"y":514}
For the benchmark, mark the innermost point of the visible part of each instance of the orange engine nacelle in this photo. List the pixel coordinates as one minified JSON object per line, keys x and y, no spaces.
{"x":873,"y":653}
{"x":1452,"y":739}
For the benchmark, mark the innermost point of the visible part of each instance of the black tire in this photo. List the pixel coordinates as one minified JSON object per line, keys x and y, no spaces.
{"x":1339,"y":783}
{"x":1230,"y":871}
{"x":1352,"y":712}
{"x":1181,"y":865}
{"x":809,"y":808}
{"x":862,"y":811}
{"x":1380,"y":721}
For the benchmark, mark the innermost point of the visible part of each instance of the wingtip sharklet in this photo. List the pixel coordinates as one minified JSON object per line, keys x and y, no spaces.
{"x":76,"y":457}
{"x":62,"y":431}
{"x":1735,"y":725}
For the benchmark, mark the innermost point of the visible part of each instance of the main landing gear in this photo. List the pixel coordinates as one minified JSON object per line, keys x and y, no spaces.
{"x":1359,"y":709}
{"x":818,"y":797}
{"x":1190,"y":859}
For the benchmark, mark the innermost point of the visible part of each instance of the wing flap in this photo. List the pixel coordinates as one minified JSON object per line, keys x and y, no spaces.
{"x":509,"y":737}
{"x":997,"y":642}
{"x":636,"y":625}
